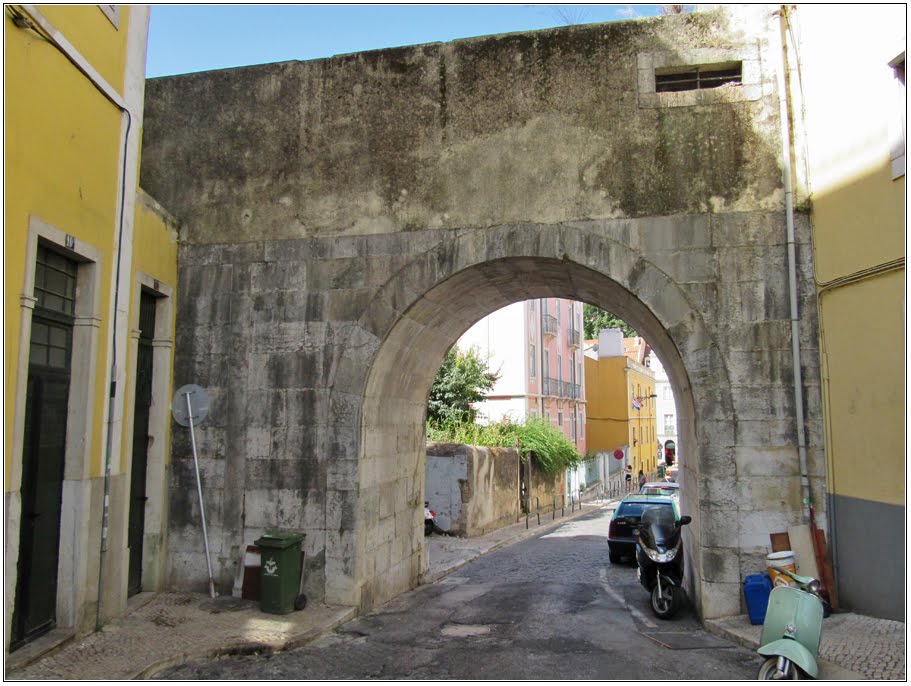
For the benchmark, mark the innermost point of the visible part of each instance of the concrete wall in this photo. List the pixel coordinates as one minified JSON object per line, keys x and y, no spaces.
{"x":346,"y":220}
{"x":477,"y":488}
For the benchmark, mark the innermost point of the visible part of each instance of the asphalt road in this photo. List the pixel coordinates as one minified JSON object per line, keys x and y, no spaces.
{"x":551,"y":607}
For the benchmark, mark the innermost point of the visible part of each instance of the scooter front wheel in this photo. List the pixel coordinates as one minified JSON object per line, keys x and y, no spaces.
{"x":769,"y":670}
{"x":665,"y":600}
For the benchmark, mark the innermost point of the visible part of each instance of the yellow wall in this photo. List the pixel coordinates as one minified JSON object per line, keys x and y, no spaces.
{"x":644,"y":453}
{"x":607,"y":415}
{"x":154,"y":255}
{"x":95,"y":37}
{"x":610,"y":418}
{"x":858,"y":222}
{"x":866,"y":400}
{"x":63,"y":144}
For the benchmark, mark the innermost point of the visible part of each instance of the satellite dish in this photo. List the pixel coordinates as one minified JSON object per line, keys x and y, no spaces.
{"x":198,"y":401}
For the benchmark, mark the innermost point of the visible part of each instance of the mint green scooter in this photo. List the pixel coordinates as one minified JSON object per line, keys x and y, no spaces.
{"x":792,"y":630}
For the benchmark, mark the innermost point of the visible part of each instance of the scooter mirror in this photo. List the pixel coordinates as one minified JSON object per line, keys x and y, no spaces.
{"x":685,"y":519}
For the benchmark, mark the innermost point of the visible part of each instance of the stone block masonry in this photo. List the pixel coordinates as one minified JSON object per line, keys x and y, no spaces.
{"x":345,"y":220}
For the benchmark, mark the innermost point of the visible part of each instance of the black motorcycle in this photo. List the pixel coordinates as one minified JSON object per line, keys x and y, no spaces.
{"x":659,"y":554}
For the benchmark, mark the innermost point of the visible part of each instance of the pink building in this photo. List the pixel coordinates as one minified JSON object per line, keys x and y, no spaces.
{"x":536,"y":346}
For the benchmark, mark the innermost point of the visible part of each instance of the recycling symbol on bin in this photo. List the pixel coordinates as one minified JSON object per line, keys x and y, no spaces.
{"x":271,"y":567}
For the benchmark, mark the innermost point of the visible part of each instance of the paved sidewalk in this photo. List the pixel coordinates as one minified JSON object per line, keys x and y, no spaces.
{"x":165,"y":629}
{"x":853,"y":647}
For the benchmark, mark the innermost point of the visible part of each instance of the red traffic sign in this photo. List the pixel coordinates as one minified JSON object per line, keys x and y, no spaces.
{"x":618,"y":454}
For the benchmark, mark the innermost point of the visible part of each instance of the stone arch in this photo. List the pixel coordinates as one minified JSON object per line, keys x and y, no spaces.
{"x":394,"y":351}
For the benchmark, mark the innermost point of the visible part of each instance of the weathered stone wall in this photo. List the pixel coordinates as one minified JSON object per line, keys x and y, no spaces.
{"x":345,"y":220}
{"x":478,"y":485}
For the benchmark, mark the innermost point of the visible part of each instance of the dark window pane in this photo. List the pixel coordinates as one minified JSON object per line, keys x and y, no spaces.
{"x":58,"y":337}
{"x":40,"y":332}
{"x":37,"y":354}
{"x":53,"y":302}
{"x":56,"y":357}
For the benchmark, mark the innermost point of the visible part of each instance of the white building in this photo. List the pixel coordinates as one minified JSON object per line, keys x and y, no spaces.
{"x":536,"y":348}
{"x":666,"y":411}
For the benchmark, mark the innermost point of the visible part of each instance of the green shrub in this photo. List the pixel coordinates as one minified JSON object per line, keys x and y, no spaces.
{"x":536,"y":439}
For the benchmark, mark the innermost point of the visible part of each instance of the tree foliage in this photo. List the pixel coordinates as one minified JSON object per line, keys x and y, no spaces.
{"x":462,"y":380}
{"x":594,"y":319}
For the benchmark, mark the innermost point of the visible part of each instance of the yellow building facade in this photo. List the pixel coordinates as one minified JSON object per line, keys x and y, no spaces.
{"x":620,"y":407}
{"x":89,"y":281}
{"x":848,"y":108}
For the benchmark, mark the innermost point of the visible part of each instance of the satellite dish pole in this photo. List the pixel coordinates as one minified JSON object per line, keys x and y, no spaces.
{"x":183,"y":412}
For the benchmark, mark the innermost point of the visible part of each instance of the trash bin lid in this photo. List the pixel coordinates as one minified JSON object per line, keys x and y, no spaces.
{"x":279,"y":539}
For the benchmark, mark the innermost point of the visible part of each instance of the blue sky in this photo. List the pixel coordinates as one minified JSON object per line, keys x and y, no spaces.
{"x":188,"y":38}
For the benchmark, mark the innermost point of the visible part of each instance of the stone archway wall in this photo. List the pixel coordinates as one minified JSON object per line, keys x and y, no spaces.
{"x":343,"y":220}
{"x":419,"y":314}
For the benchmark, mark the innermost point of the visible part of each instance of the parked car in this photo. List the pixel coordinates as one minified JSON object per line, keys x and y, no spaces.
{"x":660,"y":488}
{"x":621,"y":535}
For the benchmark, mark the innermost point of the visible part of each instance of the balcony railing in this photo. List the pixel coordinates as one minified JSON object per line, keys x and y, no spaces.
{"x":561,"y":389}
{"x":550,"y":325}
{"x":575,"y":339}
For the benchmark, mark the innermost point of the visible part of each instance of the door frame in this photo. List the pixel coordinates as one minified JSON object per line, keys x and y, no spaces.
{"x":154,"y":557}
{"x":73,"y":552}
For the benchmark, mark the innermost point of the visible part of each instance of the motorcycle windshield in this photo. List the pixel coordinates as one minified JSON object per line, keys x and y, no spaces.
{"x":660,"y":522}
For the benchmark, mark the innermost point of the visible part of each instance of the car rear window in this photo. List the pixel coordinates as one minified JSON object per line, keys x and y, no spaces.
{"x":634,"y":509}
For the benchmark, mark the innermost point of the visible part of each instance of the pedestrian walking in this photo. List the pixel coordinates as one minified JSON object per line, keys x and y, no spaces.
{"x":642,"y":479}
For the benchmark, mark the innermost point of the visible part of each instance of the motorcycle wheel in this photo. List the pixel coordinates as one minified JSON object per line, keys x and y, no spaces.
{"x":769,"y":671}
{"x":665,"y":605}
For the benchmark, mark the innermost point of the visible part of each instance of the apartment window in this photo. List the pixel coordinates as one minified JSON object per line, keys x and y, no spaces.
{"x":698,"y":77}
{"x":669,"y":424}
{"x":547,"y":416}
{"x":572,"y":430}
{"x":560,"y":368}
{"x":531,"y":305}
{"x":897,"y":126}
{"x":560,"y":419}
{"x":532,"y":368}
{"x":559,"y":307}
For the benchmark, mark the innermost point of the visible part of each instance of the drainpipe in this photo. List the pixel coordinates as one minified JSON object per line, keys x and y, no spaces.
{"x":806,"y":493}
{"x":34,"y":20}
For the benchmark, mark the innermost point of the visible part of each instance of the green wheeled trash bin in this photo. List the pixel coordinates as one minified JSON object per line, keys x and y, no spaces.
{"x":280,"y":573}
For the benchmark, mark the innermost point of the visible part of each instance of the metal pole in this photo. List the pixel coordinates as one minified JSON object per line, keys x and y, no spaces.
{"x":202,"y":511}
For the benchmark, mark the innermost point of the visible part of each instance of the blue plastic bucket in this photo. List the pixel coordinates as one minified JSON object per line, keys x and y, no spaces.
{"x":756,"y":590}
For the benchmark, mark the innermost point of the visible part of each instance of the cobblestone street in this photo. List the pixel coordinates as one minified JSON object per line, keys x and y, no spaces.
{"x":550,"y":607}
